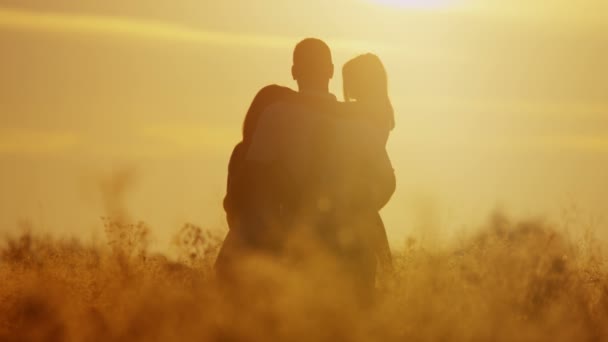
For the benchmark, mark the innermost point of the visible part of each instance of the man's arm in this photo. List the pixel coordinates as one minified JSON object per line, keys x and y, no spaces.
{"x":261,"y":183}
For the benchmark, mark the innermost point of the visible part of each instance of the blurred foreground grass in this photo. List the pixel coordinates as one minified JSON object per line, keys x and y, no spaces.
{"x":513,"y":281}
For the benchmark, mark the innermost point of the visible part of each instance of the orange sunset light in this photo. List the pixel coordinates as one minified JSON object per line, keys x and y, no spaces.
{"x":453,"y":165}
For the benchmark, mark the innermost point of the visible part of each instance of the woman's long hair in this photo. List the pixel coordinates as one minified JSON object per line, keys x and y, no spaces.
{"x":365,"y":79}
{"x":264,"y":98}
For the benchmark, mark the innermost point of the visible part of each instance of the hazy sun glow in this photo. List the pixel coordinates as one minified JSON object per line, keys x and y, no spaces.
{"x":415,"y":3}
{"x":498,"y":103}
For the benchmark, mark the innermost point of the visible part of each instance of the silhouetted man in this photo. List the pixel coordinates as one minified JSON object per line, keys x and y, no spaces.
{"x":284,"y":158}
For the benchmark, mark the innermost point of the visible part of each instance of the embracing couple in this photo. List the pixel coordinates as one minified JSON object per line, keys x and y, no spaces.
{"x":311,"y":172}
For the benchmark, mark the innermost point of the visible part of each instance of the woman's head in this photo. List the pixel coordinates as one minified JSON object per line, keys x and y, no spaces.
{"x":365,"y":80}
{"x":264,"y":98}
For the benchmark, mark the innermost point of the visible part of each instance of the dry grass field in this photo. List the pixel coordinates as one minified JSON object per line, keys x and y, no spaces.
{"x":512,"y":281}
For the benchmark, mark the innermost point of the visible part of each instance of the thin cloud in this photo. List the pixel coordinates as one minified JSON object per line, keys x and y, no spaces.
{"x":36,"y":143}
{"x":55,"y":22}
{"x":597,"y":143}
{"x":468,"y":107}
{"x":190,"y":137}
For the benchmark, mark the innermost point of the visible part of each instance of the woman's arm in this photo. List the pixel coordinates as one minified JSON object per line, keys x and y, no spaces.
{"x":382,"y":179}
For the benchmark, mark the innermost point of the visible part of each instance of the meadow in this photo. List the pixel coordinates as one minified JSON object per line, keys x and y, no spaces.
{"x":510,"y":281}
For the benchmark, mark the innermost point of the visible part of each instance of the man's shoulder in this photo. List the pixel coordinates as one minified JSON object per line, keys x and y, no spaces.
{"x":276,"y":114}
{"x":308,"y":105}
{"x":287,"y":110}
{"x":298,"y":112}
{"x":278,"y":107}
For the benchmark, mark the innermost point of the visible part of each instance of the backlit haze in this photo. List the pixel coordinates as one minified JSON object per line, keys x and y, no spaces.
{"x":500,"y":104}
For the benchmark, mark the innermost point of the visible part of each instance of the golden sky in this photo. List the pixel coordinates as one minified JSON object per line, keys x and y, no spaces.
{"x":499,"y":103}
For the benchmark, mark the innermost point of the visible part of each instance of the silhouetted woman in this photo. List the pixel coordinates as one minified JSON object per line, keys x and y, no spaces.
{"x":364,"y":174}
{"x":366,"y":96}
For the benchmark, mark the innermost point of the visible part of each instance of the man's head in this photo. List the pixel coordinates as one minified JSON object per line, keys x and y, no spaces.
{"x":312,"y":65}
